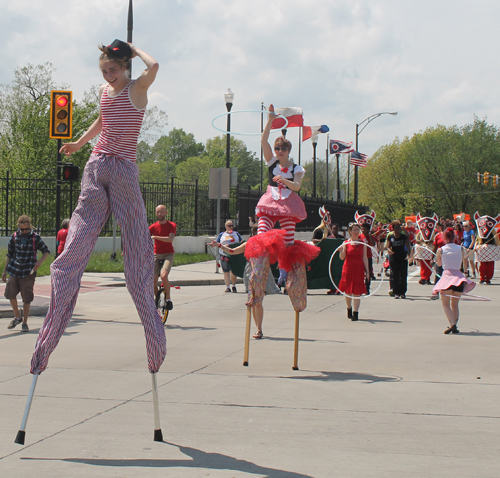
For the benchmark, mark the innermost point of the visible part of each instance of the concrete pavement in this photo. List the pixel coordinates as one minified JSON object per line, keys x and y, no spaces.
{"x":387,"y":396}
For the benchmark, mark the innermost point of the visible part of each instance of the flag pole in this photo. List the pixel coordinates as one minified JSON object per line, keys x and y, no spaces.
{"x":21,"y":434}
{"x":261,"y":150}
{"x":300,"y":143}
{"x":326,"y":155}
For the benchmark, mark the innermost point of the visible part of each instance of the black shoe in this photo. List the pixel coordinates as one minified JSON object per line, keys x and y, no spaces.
{"x":422,"y":281}
{"x":234,"y":289}
{"x":403,"y":296}
{"x":355,"y":316}
{"x":169,"y":305}
{"x":349,"y":313}
{"x":453,"y":329}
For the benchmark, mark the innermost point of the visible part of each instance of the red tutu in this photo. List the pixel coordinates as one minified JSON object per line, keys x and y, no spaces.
{"x":353,"y":271}
{"x":291,"y":207}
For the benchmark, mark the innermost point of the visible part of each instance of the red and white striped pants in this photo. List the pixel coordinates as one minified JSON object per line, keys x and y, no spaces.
{"x":266,"y":223}
{"x":109,"y":184}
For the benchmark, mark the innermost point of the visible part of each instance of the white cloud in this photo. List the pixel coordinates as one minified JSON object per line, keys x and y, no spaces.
{"x":341,"y":61}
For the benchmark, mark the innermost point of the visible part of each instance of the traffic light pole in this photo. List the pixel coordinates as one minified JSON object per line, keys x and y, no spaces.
{"x":58,"y":187}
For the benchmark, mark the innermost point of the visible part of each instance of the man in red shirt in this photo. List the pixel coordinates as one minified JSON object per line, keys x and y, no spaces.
{"x":163,"y":233}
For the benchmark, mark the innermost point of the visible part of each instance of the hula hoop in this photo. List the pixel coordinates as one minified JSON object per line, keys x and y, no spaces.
{"x":330,"y":271}
{"x":478,"y":298}
{"x":246,"y":111}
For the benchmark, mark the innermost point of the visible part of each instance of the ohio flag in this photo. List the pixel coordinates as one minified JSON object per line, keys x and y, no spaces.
{"x":340,"y":147}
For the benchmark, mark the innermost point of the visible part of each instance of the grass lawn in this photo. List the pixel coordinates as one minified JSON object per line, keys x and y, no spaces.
{"x":102,"y":262}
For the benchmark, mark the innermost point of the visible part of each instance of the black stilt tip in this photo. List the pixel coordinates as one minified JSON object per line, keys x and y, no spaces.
{"x":245,"y":364}
{"x":21,"y":435}
{"x":295,"y":368}
{"x":158,"y":435}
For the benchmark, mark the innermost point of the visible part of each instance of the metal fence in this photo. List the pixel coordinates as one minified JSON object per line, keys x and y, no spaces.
{"x":188,"y":206}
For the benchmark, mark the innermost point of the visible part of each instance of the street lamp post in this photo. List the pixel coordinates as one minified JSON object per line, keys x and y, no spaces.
{"x":314,"y":141}
{"x":228,"y":99}
{"x":358,"y":132}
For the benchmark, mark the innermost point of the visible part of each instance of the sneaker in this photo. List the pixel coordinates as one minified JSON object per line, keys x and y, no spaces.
{"x":234,"y":289}
{"x":169,"y":305}
{"x":25,"y":328}
{"x":403,"y":296}
{"x":435,"y":297}
{"x":14,"y":322}
{"x":422,"y":281}
{"x":391,"y":293}
{"x":228,"y":289}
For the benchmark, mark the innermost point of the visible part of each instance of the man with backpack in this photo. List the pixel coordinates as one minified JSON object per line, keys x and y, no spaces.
{"x":21,"y":265}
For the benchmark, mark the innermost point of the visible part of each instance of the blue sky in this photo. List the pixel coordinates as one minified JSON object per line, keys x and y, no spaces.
{"x":435,"y":62}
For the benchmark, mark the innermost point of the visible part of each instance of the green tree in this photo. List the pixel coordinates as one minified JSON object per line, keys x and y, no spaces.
{"x":176,"y":147}
{"x":246,"y":161}
{"x":434,"y":171}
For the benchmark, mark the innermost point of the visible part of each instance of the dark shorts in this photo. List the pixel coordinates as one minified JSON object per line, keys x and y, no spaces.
{"x":224,"y":263}
{"x":24,"y":285}
{"x":457,"y":288}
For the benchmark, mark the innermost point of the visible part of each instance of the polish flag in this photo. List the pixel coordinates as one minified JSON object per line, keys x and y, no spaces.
{"x":309,"y":131}
{"x":293,"y":114}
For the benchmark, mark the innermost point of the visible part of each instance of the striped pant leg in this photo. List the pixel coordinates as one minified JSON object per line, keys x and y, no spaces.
{"x":265,"y":224}
{"x":67,"y":270}
{"x":289,"y":226}
{"x":128,"y":206}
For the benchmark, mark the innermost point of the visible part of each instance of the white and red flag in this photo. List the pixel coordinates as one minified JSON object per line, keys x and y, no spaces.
{"x":310,"y":131}
{"x":359,"y":159}
{"x":294,"y":115}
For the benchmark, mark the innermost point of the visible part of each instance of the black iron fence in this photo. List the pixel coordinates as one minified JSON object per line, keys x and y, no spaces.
{"x":188,"y":205}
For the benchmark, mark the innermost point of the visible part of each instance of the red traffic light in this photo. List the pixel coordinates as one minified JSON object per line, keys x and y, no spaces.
{"x":62,"y":101}
{"x":61,"y":115}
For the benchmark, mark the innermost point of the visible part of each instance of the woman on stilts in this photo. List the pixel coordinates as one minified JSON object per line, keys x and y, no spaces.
{"x":110,"y":183}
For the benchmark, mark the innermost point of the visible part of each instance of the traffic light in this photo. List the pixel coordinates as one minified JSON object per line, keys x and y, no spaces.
{"x":486,"y":178}
{"x":478,"y":177}
{"x":495,"y":181}
{"x":61,"y":114}
{"x":70,"y":172}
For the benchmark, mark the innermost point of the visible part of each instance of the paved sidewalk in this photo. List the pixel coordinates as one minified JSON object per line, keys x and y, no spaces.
{"x":387,"y":396}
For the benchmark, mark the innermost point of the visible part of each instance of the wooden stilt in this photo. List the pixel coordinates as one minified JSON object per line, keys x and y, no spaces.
{"x":296,"y":342}
{"x":247,"y":336}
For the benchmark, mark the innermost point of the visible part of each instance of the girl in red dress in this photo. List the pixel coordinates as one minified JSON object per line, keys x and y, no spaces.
{"x":354,"y":271}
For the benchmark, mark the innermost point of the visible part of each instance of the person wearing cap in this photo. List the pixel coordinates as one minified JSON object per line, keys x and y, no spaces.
{"x":110,"y":184}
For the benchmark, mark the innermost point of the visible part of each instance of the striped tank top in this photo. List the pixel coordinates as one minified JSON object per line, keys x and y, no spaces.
{"x":121,"y":125}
